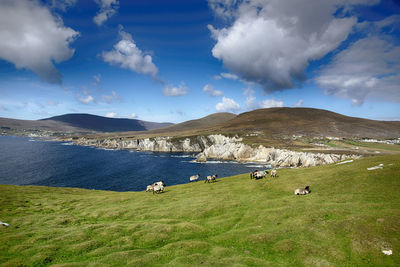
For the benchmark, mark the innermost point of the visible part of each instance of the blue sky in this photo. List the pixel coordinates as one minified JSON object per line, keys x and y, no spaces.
{"x":172,"y":61}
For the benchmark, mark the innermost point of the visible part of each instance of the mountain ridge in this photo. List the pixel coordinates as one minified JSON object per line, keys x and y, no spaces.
{"x":79,"y":123}
{"x":105,"y":124}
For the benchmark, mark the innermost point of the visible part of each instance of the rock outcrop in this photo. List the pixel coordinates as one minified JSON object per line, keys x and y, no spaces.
{"x":219,"y":147}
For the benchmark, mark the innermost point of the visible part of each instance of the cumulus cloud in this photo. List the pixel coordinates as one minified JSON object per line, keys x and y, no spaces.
{"x":111,"y":115}
{"x":227,"y":105}
{"x":133,"y":116}
{"x":210,"y":90}
{"x":230,"y":76}
{"x":86,"y":99}
{"x":62,"y":5}
{"x":171,"y":90}
{"x":107,"y":9}
{"x":128,"y":56}
{"x":251,"y":102}
{"x":271,"y":42}
{"x":271,"y":103}
{"x":114,"y":97}
{"x":369,"y":68}
{"x":32,"y":38}
{"x":299,"y":103}
{"x":226,"y":75}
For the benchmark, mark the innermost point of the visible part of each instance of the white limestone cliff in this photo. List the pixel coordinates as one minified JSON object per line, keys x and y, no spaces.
{"x":220,"y":147}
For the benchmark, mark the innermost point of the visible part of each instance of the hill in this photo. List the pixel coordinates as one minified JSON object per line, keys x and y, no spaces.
{"x":104,"y":124}
{"x":277,"y":124}
{"x":309,"y":122}
{"x":187,"y":128}
{"x":349,"y":218}
{"x":19,"y":126}
{"x":78,"y":123}
{"x":300,"y":129}
{"x":199,"y":124}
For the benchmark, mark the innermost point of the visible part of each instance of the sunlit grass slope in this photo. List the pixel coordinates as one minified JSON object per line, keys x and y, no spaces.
{"x":351,"y":215}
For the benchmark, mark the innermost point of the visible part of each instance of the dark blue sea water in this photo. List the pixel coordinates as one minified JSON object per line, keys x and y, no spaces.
{"x":24,"y":161}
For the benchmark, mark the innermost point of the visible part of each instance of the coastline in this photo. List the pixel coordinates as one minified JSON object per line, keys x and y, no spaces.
{"x":217,"y":147}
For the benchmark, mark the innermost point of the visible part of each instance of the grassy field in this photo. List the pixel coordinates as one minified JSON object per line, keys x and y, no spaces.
{"x":351,"y":215}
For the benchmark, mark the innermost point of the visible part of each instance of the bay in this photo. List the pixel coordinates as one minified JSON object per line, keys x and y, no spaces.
{"x":26,"y":161}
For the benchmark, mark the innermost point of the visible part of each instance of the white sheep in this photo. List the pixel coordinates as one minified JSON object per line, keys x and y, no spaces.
{"x":158,"y":187}
{"x":210,"y":179}
{"x":194,"y":178}
{"x":273,"y":173}
{"x":302,"y":191}
{"x":149,"y":188}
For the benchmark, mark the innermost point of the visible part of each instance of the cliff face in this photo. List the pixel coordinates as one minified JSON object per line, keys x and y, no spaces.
{"x":275,"y":157}
{"x":160,"y":144}
{"x":220,"y":147}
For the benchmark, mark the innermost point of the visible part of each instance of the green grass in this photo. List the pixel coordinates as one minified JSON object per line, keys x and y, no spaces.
{"x":350,"y":216}
{"x":377,"y":146}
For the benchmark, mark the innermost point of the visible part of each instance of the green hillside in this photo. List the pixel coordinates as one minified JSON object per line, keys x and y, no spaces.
{"x":351,"y":215}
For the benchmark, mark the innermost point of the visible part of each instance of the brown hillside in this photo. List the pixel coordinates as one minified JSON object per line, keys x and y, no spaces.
{"x":309,"y":122}
{"x":199,"y":124}
{"x":30,"y":125}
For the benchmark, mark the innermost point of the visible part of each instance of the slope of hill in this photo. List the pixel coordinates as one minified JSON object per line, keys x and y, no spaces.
{"x":309,"y":121}
{"x":349,"y":219}
{"x":104,"y":124}
{"x":30,"y":125}
{"x":199,"y":124}
{"x":77,"y":123}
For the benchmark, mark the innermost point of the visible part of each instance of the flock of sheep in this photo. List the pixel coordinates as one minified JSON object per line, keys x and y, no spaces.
{"x":158,"y":187}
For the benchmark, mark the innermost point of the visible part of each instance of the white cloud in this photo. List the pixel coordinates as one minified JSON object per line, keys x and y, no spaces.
{"x":271,"y":42}
{"x":227,"y":105}
{"x":129,"y":56}
{"x":32,"y":38}
{"x":226,"y":75}
{"x":111,"y":98}
{"x":133,"y":116}
{"x":107,"y":9}
{"x":210,"y":90}
{"x":229,"y":76}
{"x":251,"y":102}
{"x":369,"y":68}
{"x":111,"y":115}
{"x":86,"y":99}
{"x":171,"y":90}
{"x":62,"y":5}
{"x":97,"y":79}
{"x":271,"y":103}
{"x":299,"y":103}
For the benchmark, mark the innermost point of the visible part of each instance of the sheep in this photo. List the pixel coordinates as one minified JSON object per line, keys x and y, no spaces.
{"x":273,"y":173}
{"x":210,"y":179}
{"x":194,"y":178}
{"x":149,"y":188}
{"x":253,"y":174}
{"x":258,"y":174}
{"x":158,"y":187}
{"x":302,"y":191}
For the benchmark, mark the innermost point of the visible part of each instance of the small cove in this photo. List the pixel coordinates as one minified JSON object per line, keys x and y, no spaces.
{"x":25,"y":161}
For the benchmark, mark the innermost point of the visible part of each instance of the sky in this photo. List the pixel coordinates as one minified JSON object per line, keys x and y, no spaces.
{"x":177,"y":60}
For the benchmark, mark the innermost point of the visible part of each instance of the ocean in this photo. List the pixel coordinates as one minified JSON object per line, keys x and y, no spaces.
{"x":27,"y":161}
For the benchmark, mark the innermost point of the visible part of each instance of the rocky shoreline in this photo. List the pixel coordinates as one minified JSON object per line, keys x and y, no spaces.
{"x":219,"y":147}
